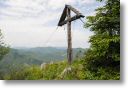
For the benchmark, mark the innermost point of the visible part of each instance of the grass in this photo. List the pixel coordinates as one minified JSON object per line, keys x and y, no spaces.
{"x":54,"y":71}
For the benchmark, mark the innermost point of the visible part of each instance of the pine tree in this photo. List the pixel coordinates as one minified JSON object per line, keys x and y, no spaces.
{"x":105,"y":43}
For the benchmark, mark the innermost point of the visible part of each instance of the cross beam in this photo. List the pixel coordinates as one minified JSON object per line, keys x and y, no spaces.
{"x":62,"y":20}
{"x":67,"y":13}
{"x":70,"y":19}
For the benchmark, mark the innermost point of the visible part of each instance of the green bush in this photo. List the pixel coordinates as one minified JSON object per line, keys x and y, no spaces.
{"x":54,"y":71}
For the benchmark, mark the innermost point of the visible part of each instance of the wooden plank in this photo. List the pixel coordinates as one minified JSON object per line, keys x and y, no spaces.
{"x":70,"y":19}
{"x":62,"y":20}
{"x":69,"y":50}
{"x":73,"y":9}
{"x":63,"y":16}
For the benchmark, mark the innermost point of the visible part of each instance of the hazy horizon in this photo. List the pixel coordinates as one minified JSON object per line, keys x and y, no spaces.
{"x":45,"y":47}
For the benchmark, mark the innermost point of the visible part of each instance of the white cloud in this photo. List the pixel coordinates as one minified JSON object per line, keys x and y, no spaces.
{"x":23,"y":22}
{"x":27,"y":7}
{"x":87,"y":1}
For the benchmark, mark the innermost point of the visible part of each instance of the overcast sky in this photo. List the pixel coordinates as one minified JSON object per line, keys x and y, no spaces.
{"x":29,"y":23}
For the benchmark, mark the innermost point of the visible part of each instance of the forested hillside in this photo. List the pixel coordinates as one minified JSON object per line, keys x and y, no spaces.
{"x":17,"y":58}
{"x":39,"y":55}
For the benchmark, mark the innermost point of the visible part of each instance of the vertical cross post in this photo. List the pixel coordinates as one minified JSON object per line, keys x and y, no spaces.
{"x":69,"y":50}
{"x":67,"y":13}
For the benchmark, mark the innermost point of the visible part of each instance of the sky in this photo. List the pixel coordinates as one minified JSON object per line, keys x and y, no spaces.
{"x":32,"y":23}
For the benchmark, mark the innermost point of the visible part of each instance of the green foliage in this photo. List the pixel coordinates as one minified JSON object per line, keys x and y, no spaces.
{"x":17,"y":58}
{"x":3,"y":48}
{"x":54,"y":71}
{"x":50,"y":72}
{"x":104,"y":53}
{"x":26,"y":73}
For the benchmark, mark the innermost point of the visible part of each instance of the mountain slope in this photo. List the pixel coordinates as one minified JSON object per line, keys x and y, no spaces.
{"x":35,"y":56}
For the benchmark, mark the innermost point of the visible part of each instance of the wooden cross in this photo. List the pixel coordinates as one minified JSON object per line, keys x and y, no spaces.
{"x":67,"y":13}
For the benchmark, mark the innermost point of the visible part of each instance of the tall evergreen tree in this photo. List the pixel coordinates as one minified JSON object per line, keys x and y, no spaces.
{"x":105,"y":43}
